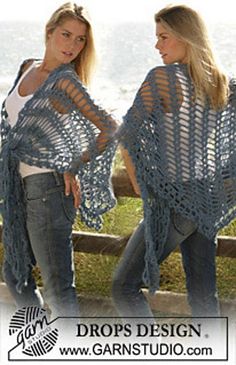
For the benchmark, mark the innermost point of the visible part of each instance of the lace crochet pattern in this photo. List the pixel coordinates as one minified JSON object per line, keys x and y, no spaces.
{"x":185,"y":158}
{"x":54,"y":131}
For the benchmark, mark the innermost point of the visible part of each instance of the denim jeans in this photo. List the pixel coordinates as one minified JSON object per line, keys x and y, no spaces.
{"x":50,"y":215}
{"x":198,"y":255}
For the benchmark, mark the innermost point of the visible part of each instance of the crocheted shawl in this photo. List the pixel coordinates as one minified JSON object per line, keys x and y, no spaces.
{"x":185,"y":158}
{"x":51,"y":132}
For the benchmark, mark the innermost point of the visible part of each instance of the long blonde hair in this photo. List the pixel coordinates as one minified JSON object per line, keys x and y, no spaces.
{"x":85,"y":62}
{"x":186,"y":24}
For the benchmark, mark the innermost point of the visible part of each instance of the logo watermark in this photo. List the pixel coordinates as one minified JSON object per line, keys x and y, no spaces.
{"x":34,"y":338}
{"x":33,"y":332}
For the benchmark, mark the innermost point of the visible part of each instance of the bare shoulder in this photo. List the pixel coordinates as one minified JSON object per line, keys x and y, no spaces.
{"x":166,"y":84}
{"x":158,"y":71}
{"x":161,"y":74}
{"x":25,"y":65}
{"x":167,"y":70}
{"x":69,"y":81}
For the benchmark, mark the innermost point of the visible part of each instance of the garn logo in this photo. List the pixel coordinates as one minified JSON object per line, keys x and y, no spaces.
{"x":33,"y":331}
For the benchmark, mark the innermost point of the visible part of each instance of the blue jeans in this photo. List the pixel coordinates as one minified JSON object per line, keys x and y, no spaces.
{"x":198,"y":255}
{"x":50,"y":215}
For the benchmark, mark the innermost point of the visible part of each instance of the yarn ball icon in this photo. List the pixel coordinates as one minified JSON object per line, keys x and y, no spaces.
{"x":33,"y":331}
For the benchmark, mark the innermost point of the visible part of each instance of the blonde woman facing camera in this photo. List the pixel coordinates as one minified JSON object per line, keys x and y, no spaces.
{"x":179,"y":148}
{"x":51,"y":130}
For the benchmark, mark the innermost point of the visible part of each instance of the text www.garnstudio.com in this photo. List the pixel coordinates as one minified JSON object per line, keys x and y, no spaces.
{"x":136,"y":349}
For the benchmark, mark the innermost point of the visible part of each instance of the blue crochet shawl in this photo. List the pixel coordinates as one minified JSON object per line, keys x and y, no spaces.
{"x":185,"y":158}
{"x":52,"y":132}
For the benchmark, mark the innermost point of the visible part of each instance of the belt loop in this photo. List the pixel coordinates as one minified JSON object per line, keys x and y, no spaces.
{"x":57,"y":178}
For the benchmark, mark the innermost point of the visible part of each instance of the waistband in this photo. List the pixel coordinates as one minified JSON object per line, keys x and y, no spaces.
{"x":54,"y":176}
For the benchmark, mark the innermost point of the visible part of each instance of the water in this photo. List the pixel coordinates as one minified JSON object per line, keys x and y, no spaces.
{"x":126,"y":53}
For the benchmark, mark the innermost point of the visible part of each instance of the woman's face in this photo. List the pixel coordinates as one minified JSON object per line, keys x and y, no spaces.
{"x":67,"y":40}
{"x":171,"y":49}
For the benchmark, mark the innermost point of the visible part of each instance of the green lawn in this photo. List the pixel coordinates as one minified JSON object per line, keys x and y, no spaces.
{"x":94,"y":272}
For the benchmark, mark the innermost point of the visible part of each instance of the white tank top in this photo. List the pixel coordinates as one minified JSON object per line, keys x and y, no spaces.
{"x":14,"y":103}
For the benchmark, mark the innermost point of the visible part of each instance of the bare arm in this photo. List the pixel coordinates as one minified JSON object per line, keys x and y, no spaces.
{"x":141,"y":109}
{"x":99,"y":117}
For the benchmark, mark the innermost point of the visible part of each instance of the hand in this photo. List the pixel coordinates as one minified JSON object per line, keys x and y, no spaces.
{"x":72,"y":186}
{"x":137,"y":189}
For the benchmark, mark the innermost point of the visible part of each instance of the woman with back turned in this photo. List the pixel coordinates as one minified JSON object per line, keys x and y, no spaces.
{"x":51,"y":129}
{"x":179,"y":148}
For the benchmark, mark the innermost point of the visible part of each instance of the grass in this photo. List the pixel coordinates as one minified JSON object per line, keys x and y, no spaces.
{"x":121,"y":220}
{"x":94,"y":272}
{"x":94,"y":275}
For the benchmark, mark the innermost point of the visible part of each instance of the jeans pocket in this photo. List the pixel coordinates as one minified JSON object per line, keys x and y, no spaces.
{"x":68,"y":205}
{"x":183,"y":225}
{"x":36,"y":211}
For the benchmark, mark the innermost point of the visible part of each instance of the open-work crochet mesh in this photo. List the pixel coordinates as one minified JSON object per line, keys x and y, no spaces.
{"x":185,"y":158}
{"x":54,"y":131}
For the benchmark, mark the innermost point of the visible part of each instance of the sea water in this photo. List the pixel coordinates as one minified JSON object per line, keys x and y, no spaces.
{"x":126,"y":52}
